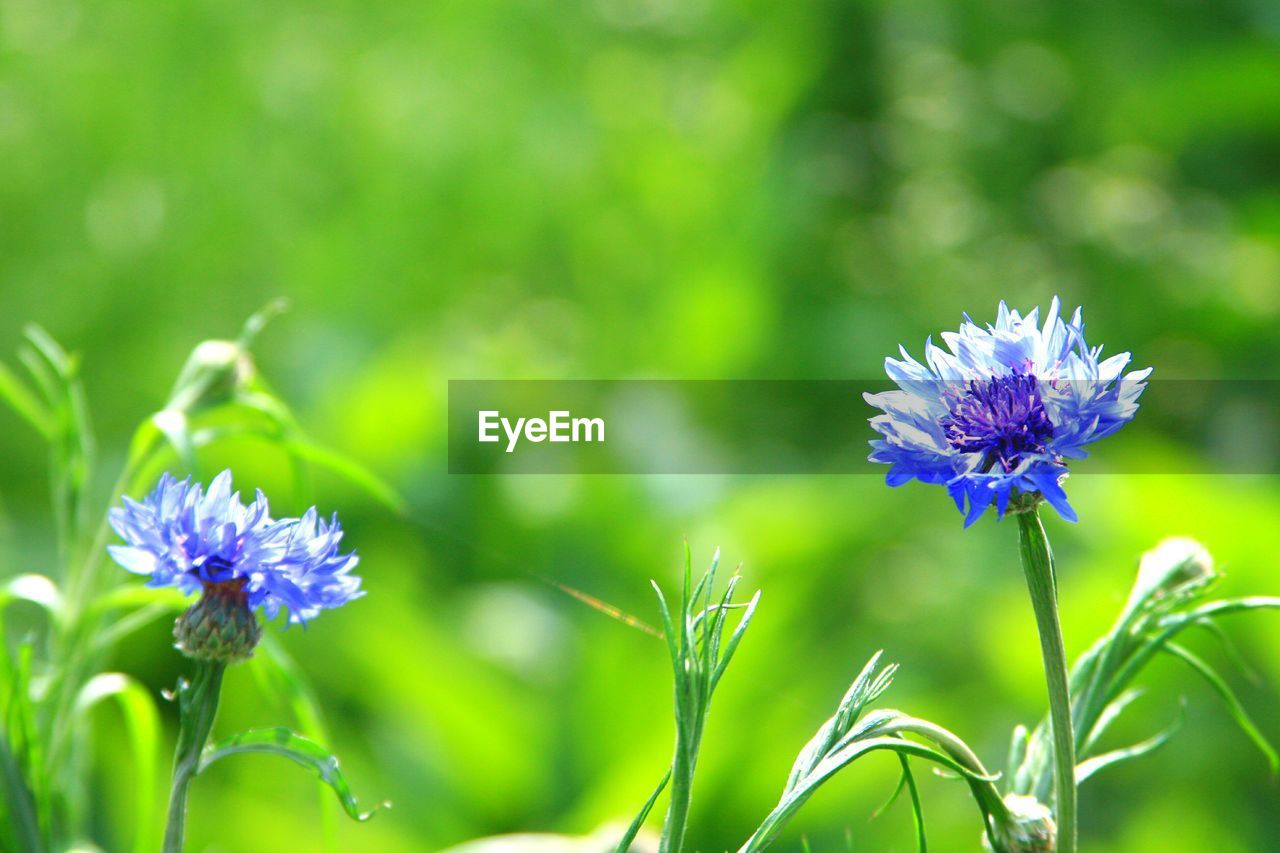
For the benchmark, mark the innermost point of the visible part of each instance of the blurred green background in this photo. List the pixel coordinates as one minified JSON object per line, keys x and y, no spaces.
{"x":649,"y":188}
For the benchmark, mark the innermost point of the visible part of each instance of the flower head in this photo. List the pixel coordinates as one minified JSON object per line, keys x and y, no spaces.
{"x":210,"y":542}
{"x":995,"y":415}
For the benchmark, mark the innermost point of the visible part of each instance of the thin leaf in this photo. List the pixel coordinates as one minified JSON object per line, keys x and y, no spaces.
{"x":349,"y":469}
{"x":829,"y":766}
{"x":1108,"y":716}
{"x":917,"y":812}
{"x":36,"y":589}
{"x":893,"y":796}
{"x":668,"y":630}
{"x":633,"y":830}
{"x":1232,"y":650}
{"x":139,"y":618}
{"x":1089,"y":767}
{"x":20,"y":811}
{"x":130,"y":595}
{"x":735,"y":638}
{"x":24,"y":742}
{"x":259,"y":320}
{"x":142,"y":722}
{"x":1228,"y":696}
{"x":25,"y":403}
{"x":175,"y":426}
{"x":280,"y":679}
{"x":287,"y":744}
{"x":1017,"y":750}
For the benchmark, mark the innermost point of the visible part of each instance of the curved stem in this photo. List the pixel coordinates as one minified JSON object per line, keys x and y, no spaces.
{"x":1037,"y":565}
{"x":198,"y":705}
{"x":950,"y":743}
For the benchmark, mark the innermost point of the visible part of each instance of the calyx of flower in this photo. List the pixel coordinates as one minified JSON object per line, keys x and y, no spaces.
{"x":220,"y":626}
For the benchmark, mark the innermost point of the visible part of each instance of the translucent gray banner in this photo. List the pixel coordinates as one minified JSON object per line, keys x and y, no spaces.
{"x":641,"y":426}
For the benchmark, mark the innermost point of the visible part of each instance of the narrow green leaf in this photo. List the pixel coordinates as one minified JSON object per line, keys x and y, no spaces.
{"x":1017,"y":750}
{"x":21,"y":822}
{"x":1108,"y":716}
{"x":1089,"y":767}
{"x":829,"y":766}
{"x":917,"y":811}
{"x":1233,"y":651}
{"x":259,"y":320}
{"x":735,"y":638}
{"x":25,"y":403}
{"x":24,"y":741}
{"x":37,"y":589}
{"x":142,"y":723}
{"x":1233,"y":703}
{"x":126,"y":625}
{"x":349,"y":469}
{"x":131,"y":595}
{"x":633,"y":830}
{"x":281,"y":681}
{"x":287,"y":744}
{"x":865,"y":688}
{"x":668,"y":629}
{"x":175,"y":426}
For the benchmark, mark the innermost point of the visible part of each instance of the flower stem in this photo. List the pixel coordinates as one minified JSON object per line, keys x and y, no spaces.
{"x":1037,"y":565}
{"x":197,"y":706}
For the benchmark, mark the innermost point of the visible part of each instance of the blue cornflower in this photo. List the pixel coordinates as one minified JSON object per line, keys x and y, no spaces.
{"x":198,"y":541}
{"x":997,"y":416}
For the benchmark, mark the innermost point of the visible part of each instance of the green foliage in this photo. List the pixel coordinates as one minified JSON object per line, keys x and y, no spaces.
{"x":53,"y":676}
{"x":1171,"y":594}
{"x":700,"y":654}
{"x":698,"y":662}
{"x":695,"y":190}
{"x":849,"y":735}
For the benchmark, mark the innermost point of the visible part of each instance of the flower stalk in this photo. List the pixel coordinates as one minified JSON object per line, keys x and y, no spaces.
{"x":197,"y":707}
{"x":1037,"y":565}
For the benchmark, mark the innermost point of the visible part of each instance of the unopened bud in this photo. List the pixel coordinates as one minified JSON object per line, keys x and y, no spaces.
{"x":220,"y":626}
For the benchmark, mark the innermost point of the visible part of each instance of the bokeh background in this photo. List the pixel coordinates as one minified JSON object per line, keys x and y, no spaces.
{"x":651,"y":188}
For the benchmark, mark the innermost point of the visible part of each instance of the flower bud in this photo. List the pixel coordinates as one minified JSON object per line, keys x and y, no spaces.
{"x":1175,"y":565}
{"x":1030,"y":828}
{"x":213,"y":372}
{"x":220,"y":626}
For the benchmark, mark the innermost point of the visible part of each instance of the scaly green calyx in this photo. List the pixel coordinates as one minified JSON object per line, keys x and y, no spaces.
{"x":219,"y":627}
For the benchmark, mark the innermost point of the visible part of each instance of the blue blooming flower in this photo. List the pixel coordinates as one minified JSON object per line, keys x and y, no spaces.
{"x":185,"y":537}
{"x":996,"y":414}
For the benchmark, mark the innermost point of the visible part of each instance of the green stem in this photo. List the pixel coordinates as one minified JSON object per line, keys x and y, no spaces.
{"x":688,"y":741}
{"x":198,"y":705}
{"x":1037,"y":565}
{"x":673,"y":830}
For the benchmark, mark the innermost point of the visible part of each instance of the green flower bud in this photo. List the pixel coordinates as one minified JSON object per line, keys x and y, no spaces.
{"x":212,"y":374}
{"x":1175,"y":566}
{"x":220,"y":626}
{"x":1030,"y":829}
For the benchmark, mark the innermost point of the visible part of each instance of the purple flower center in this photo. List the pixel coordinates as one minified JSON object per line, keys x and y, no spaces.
{"x":1001,"y":418}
